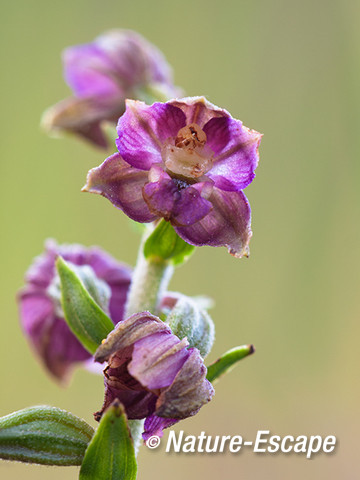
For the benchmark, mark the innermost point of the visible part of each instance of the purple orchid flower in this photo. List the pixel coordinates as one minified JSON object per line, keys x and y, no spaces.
{"x":41,"y":315}
{"x":153,"y":373}
{"x":117,"y":65}
{"x":188,"y":162}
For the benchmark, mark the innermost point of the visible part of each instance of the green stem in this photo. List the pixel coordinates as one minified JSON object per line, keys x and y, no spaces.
{"x":150,"y":280}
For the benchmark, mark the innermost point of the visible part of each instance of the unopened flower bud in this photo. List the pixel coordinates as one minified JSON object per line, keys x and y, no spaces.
{"x":187,"y":320}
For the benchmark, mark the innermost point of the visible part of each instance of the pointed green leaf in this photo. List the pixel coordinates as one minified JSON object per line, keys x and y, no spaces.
{"x":228,"y":361}
{"x":86,"y":319}
{"x":110,"y":454}
{"x":44,"y":435}
{"x":165,"y":244}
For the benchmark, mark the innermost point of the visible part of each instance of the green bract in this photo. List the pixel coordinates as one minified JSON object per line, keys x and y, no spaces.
{"x":165,"y":244}
{"x":85,"y":318}
{"x":44,"y":435}
{"x":227,"y":361}
{"x":110,"y":454}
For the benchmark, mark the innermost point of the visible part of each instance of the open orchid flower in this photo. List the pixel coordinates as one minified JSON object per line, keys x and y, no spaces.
{"x":117,"y":65}
{"x":41,"y":314}
{"x":186,"y":161}
{"x":153,"y":373}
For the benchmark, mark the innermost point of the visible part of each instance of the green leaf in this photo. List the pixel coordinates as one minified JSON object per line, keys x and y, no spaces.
{"x":86,"y":319}
{"x":165,"y":244}
{"x":44,"y":435}
{"x":228,"y":361}
{"x":110,"y":454}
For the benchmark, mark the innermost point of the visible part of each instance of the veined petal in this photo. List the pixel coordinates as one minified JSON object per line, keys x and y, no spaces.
{"x":135,"y":60}
{"x":51,"y":337}
{"x":122,"y":184}
{"x":143,"y":129}
{"x":161,"y":195}
{"x":236,"y":152}
{"x":155,"y":425}
{"x":189,"y":391}
{"x":157,"y":359}
{"x":129,"y":331}
{"x":175,"y":200}
{"x":198,"y":110}
{"x":228,"y":224}
{"x":117,"y":276}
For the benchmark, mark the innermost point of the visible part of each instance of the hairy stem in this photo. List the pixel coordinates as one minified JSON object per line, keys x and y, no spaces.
{"x":150,"y":280}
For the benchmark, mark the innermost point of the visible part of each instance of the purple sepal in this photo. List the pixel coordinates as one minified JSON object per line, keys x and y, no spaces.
{"x":228,"y":224}
{"x":122,"y":184}
{"x":40,"y":311}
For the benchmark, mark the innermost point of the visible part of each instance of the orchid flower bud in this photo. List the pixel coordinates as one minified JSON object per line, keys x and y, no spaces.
{"x":152,"y":373}
{"x":187,"y":320}
{"x":118,"y":64}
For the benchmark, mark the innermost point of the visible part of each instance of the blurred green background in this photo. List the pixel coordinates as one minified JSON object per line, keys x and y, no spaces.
{"x":287,"y":69}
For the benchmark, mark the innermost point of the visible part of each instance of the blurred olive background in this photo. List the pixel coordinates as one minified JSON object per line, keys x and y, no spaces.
{"x":287,"y":69}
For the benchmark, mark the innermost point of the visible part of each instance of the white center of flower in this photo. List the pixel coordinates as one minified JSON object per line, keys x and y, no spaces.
{"x":187,"y":158}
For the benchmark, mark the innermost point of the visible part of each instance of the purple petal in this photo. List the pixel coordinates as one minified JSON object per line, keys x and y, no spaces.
{"x":198,"y":110}
{"x":116,"y":275}
{"x":143,"y":129}
{"x":89,"y":71}
{"x":161,"y":195}
{"x":135,"y":60}
{"x":192,"y":207}
{"x":176,"y":201}
{"x":157,"y":359}
{"x":228,"y":224}
{"x":128,"y":332}
{"x":189,"y":391}
{"x":41,"y":272}
{"x":236,"y":153}
{"x":122,"y":184}
{"x":52,"y":339}
{"x":155,"y":425}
